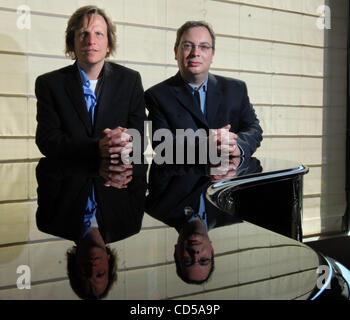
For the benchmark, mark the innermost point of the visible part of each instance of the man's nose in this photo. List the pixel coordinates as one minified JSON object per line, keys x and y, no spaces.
{"x":194,"y":250}
{"x":195,"y":50}
{"x":90,"y":38}
{"x":86,"y":270}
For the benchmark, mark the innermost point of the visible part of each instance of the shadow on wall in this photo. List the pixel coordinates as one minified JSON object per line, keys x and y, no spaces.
{"x":333,"y":196}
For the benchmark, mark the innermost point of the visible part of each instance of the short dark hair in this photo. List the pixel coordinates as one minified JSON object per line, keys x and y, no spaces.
{"x":77,"y":281}
{"x":193,"y":24}
{"x":190,"y":281}
{"x":75,"y":22}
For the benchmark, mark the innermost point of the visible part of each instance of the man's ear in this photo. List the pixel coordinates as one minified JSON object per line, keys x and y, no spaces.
{"x":212,"y":56}
{"x":175,"y":52}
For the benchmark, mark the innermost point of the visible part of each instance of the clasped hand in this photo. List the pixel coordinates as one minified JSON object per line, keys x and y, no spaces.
{"x":229,"y":151}
{"x":116,"y":144}
{"x":226,"y":142}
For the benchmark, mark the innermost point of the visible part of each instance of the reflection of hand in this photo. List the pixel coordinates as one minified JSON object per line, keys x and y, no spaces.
{"x":225,"y":170}
{"x":116,"y":144}
{"x":226,"y":141}
{"x":116,"y":175}
{"x":119,"y":176}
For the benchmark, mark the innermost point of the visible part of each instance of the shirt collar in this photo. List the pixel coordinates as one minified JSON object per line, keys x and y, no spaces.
{"x":203,"y":87}
{"x":83,"y":76}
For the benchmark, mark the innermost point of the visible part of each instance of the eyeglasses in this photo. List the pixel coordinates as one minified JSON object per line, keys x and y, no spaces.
{"x":202,"y":262}
{"x":189,"y":46}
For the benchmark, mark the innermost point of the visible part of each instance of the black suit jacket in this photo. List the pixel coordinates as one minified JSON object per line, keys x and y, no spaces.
{"x":63,"y":190}
{"x":170,"y":105}
{"x":172,"y":188}
{"x":64,"y":129}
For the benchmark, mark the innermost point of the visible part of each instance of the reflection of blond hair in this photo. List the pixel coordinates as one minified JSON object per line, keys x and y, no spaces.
{"x":78,"y":281}
{"x":75,"y":22}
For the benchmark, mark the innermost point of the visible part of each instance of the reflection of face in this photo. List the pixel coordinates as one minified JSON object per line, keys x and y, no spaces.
{"x":91,"y":41}
{"x":93,"y":265}
{"x":194,"y":252}
{"x":194,"y":63}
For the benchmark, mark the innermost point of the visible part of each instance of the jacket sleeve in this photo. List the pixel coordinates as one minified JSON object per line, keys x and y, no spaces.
{"x":250,"y":132}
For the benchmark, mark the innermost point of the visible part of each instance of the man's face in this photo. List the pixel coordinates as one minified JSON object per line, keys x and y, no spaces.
{"x":91,"y":41}
{"x":194,"y":254}
{"x":194,"y":62}
{"x":94,"y":267}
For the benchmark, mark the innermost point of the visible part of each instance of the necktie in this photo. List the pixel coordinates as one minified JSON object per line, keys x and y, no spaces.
{"x":90,"y":99}
{"x":197,"y":99}
{"x":90,"y":211}
{"x":201,"y":213}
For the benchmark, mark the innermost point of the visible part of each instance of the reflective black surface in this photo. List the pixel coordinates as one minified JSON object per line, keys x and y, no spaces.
{"x":224,"y":254}
{"x":239,"y":247}
{"x":63,"y":190}
{"x":219,"y":255}
{"x":75,"y":203}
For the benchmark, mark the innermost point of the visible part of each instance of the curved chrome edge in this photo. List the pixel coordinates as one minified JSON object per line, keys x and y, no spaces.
{"x":237,"y":181}
{"x":327,"y":283}
{"x":339,"y":272}
{"x":344,"y":272}
{"x":218,"y":187}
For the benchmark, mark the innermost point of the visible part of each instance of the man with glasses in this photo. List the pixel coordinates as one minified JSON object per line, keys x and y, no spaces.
{"x":196,"y":99}
{"x":176,"y":196}
{"x":193,"y":252}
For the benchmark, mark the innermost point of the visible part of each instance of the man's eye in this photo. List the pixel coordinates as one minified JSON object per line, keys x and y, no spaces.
{"x":204,"y":262}
{"x":187,"y":46}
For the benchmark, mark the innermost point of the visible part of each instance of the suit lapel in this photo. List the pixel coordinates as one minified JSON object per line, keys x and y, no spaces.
{"x":214,"y":97}
{"x":193,"y":198}
{"x":75,"y":92}
{"x":184,"y":96}
{"x":109,"y":92}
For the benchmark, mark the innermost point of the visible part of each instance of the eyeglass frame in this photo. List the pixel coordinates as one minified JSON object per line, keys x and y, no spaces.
{"x":193,"y":262}
{"x":202,"y":47}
